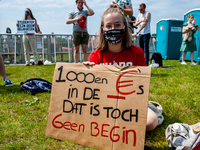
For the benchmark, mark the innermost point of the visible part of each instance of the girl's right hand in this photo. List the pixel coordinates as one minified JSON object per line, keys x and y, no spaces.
{"x":89,"y":63}
{"x":17,"y":24}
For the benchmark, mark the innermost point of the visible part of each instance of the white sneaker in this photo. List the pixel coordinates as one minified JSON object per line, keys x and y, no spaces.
{"x":183,"y":63}
{"x":193,"y":63}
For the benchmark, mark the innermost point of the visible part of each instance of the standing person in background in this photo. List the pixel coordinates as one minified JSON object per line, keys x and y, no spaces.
{"x":80,"y":34}
{"x":144,"y":19}
{"x":125,"y":6}
{"x":29,"y":38}
{"x":9,"y":42}
{"x":6,"y":80}
{"x":188,"y":44}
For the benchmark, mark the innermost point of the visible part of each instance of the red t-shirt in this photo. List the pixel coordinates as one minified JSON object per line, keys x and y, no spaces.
{"x":133,"y":56}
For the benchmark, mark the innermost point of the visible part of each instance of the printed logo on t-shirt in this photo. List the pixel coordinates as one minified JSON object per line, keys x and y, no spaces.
{"x":120,"y":64}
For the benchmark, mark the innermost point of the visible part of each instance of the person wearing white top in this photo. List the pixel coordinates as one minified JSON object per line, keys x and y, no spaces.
{"x":144,"y":19}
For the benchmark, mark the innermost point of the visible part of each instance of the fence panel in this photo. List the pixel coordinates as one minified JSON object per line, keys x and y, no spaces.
{"x":51,"y":47}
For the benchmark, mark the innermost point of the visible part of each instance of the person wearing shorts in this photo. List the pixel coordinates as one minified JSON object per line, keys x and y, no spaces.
{"x":80,"y":34}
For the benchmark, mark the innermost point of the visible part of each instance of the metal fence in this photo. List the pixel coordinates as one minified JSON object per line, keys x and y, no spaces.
{"x":51,"y":47}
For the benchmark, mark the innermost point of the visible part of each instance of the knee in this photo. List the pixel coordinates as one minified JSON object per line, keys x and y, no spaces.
{"x":152,"y":120}
{"x":151,"y":123}
{"x":84,"y":51}
{"x":76,"y":51}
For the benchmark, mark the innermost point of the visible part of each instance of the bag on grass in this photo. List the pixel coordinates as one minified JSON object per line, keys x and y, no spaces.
{"x":36,"y":85}
{"x":158,"y":58}
{"x":181,"y":137}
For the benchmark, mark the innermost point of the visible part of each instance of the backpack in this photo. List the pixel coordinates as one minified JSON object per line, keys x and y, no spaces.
{"x":158,"y":58}
{"x":36,"y":85}
{"x":182,"y":139}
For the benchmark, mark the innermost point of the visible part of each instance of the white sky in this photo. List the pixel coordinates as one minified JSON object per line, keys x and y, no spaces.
{"x":52,"y":14}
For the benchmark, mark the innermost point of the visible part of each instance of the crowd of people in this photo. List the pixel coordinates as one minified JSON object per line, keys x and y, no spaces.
{"x":79,"y":19}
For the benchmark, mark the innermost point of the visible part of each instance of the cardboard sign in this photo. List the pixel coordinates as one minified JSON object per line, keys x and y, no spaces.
{"x":101,"y":106}
{"x":26,"y":26}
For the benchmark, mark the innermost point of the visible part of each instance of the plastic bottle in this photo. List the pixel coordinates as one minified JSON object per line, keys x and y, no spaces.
{"x":178,"y":128}
{"x":153,"y":61}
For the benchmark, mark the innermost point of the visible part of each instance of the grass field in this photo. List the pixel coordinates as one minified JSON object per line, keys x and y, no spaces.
{"x":23,"y":117}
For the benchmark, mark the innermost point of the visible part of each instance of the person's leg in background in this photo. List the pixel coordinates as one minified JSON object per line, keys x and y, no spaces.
{"x":76,"y":53}
{"x":76,"y":40}
{"x":192,"y":58}
{"x":2,"y":67}
{"x":146,"y":39}
{"x":6,"y":80}
{"x":84,"y":43}
{"x":84,"y":50}
{"x":141,"y":43}
{"x":26,"y":49}
{"x":183,"y":58}
{"x":32,"y":41}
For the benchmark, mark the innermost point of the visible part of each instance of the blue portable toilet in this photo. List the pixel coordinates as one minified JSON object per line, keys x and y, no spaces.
{"x":196,"y":13}
{"x":169,"y":38}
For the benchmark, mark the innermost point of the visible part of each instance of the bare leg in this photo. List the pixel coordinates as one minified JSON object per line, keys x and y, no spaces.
{"x":76,"y":53}
{"x":192,"y":56}
{"x":84,"y":49}
{"x":152,"y":120}
{"x":2,"y":67}
{"x":183,"y":56}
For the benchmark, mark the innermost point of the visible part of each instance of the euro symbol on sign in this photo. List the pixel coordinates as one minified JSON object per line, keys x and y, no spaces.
{"x":118,"y":86}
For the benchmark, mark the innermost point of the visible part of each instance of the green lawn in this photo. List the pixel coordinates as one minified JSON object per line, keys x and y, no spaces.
{"x":23,"y":117}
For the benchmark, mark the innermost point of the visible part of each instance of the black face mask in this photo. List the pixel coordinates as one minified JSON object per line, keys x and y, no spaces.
{"x":114,"y":36}
{"x":27,"y":13}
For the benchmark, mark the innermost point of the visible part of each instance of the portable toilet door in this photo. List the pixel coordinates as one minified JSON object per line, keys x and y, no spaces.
{"x":169,"y":33}
{"x":196,"y":13}
{"x":162,"y":37}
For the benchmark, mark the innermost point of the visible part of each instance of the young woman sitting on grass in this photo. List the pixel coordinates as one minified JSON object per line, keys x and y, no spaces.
{"x":115,"y":48}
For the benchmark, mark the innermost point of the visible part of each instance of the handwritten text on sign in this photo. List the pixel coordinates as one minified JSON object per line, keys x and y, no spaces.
{"x":84,"y":96}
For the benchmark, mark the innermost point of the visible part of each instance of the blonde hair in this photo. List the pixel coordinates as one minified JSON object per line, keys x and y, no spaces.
{"x":191,"y":15}
{"x":127,"y":39}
